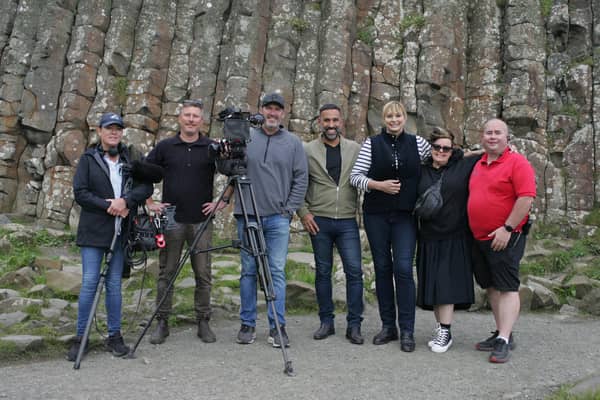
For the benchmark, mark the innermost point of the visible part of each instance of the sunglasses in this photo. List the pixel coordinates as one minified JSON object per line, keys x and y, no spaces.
{"x":442,"y":149}
{"x":193,"y":103}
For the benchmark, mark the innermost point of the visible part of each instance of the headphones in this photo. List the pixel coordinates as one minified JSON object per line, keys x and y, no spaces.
{"x":112,"y":151}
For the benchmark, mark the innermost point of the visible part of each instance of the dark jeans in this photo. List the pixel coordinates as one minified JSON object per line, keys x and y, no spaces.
{"x":169,"y":259}
{"x":392,"y":237}
{"x":344,"y":234}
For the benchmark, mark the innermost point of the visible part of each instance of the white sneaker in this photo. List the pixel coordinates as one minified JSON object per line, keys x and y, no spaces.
{"x":434,"y":335}
{"x":442,"y":341}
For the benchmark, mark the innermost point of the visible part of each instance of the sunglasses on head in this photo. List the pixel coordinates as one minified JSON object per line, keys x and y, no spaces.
{"x":193,"y":103}
{"x":443,"y":149}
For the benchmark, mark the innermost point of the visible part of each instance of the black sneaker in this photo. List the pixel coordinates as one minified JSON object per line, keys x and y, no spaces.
{"x":488,"y":344}
{"x":274,"y":337}
{"x":442,"y":341}
{"x":116,"y":345}
{"x":501,"y":352}
{"x":246,"y":335}
{"x":74,"y":349}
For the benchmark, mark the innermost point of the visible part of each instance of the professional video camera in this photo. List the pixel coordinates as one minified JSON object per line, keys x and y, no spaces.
{"x":230,"y":152}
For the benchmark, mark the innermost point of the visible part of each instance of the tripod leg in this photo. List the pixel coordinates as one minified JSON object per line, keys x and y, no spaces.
{"x":258,"y":249}
{"x":191,"y":248}
{"x":88,"y":324}
{"x":103,"y":273}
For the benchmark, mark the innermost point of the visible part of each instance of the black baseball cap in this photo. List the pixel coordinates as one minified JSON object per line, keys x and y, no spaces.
{"x":273,"y":98}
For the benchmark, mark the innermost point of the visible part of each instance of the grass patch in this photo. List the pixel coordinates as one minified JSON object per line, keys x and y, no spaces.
{"x":593,"y":218}
{"x":299,"y":272}
{"x":24,"y":249}
{"x":563,"y":394}
{"x":230,"y":284}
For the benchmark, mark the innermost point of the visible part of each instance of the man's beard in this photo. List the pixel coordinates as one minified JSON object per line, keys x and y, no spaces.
{"x":271,"y":125}
{"x":331,"y":133}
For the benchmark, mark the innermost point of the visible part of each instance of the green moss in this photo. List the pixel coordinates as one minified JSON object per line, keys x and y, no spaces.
{"x":593,"y":218}
{"x":299,"y":24}
{"x":570,"y":109}
{"x":416,"y":21}
{"x":316,"y":6}
{"x":366,"y":31}
{"x":120,"y":88}
{"x":546,"y":7}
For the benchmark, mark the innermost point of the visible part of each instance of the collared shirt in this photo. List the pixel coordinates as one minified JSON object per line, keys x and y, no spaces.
{"x":188,"y":176}
{"x":493,"y":190}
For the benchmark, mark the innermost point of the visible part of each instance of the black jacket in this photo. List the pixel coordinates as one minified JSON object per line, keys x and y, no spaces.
{"x":451,"y":220}
{"x":91,"y":187}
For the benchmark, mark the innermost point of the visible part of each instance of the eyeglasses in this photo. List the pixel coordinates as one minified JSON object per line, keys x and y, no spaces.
{"x":193,"y":103}
{"x":442,"y":149}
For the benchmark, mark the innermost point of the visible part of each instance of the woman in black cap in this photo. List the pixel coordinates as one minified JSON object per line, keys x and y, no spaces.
{"x":101,"y":191}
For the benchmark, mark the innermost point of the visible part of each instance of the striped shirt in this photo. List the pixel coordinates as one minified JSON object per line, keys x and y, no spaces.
{"x":358,"y":176}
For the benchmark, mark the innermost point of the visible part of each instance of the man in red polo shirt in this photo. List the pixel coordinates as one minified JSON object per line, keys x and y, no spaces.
{"x":501,"y":192}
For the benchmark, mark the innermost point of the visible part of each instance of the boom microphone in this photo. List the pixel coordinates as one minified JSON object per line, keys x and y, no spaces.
{"x":146,"y":172}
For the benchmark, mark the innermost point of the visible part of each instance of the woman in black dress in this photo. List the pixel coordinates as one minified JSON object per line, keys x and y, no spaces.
{"x":444,"y":271}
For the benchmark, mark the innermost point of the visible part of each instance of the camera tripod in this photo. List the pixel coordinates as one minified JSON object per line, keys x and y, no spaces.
{"x":256,"y":246}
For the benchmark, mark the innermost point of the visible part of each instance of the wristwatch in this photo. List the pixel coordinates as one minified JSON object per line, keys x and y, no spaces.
{"x":225,"y":200}
{"x":508,"y":228}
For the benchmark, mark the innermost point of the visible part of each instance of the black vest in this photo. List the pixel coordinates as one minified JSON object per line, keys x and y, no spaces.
{"x":393,"y":157}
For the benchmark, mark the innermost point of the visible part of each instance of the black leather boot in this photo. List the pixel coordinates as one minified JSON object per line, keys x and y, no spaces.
{"x":205,"y":333}
{"x":385,"y":335}
{"x":160,"y":333}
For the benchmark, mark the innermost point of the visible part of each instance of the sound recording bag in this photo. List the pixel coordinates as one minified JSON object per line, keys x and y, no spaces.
{"x":145,"y":232}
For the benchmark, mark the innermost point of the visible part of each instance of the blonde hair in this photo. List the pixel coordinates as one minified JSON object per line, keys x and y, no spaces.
{"x":393,"y":107}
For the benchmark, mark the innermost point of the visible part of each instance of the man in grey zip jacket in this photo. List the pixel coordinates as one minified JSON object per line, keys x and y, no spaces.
{"x":329,"y":215}
{"x":278,"y":173}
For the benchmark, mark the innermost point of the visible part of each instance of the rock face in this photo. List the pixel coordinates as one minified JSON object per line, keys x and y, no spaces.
{"x":64,"y":63}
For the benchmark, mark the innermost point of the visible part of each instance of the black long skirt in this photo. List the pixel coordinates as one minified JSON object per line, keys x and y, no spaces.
{"x":445,"y":273}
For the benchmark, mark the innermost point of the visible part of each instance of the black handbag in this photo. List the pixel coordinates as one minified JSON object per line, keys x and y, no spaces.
{"x":430,"y":202}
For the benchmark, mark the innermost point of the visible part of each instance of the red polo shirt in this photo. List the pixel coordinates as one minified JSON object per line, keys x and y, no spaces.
{"x":494,"y":189}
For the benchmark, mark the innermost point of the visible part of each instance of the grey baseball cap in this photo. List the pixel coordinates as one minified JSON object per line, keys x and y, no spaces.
{"x":273,"y":98}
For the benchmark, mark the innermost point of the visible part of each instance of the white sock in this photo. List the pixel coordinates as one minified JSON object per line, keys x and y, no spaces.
{"x":503,"y":338}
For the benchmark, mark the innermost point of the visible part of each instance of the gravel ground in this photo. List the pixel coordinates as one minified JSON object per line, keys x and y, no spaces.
{"x":552,"y":350}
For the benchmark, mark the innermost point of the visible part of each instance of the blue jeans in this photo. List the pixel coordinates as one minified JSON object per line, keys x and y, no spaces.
{"x":92,"y":262}
{"x":344,"y":234}
{"x":276,"y":230}
{"x":392,"y":238}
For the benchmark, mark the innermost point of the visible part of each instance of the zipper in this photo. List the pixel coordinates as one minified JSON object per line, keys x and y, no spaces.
{"x":337,"y":200}
{"x":267,"y":149}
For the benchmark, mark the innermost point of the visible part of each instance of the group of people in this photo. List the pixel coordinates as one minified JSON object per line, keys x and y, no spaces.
{"x":479,"y":230}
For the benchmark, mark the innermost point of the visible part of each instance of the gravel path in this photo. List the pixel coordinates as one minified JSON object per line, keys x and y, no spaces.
{"x":552,"y":350}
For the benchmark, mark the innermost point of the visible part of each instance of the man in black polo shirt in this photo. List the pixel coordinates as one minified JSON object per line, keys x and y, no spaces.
{"x":187,"y":184}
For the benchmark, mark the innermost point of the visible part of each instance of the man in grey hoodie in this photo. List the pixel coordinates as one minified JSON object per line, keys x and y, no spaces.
{"x":278,"y":172}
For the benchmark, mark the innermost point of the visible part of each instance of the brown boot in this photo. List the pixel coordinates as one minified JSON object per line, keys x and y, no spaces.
{"x":205,"y":333}
{"x":160,"y":333}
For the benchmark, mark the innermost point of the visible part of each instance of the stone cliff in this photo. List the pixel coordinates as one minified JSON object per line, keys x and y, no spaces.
{"x":453,"y":63}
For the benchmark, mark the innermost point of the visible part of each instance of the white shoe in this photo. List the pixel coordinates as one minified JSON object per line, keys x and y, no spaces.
{"x":442,"y":341}
{"x":434,"y":335}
